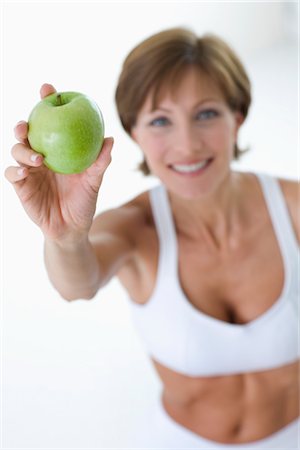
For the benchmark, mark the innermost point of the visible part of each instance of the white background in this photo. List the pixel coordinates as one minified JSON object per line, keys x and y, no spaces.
{"x":75,"y":375}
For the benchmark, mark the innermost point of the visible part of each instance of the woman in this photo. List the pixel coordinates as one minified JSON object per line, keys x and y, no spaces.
{"x":208,"y":256}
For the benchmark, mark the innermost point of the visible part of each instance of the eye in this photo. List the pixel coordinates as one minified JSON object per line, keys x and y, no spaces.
{"x":207,"y":114}
{"x":159,"y":122}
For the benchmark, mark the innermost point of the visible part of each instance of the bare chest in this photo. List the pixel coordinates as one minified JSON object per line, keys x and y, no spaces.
{"x":236,"y":288}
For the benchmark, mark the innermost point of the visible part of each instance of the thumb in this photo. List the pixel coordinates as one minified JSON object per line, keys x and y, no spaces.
{"x":47,"y":89}
{"x":96,"y":171}
{"x":104,"y":158}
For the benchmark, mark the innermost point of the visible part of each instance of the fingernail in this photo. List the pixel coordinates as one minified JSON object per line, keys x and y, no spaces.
{"x":34,"y":157}
{"x":21,"y":171}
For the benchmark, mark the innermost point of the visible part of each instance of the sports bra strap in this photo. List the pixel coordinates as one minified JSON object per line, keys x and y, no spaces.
{"x":165,"y":228}
{"x":279,"y":214}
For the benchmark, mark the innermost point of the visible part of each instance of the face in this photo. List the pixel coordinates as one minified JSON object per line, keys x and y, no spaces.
{"x":188,"y":140}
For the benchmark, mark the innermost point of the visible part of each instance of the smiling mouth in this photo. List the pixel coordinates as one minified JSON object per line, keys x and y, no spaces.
{"x":191,"y":168}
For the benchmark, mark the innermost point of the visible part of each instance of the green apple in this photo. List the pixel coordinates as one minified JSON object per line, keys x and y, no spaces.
{"x":67,"y":128}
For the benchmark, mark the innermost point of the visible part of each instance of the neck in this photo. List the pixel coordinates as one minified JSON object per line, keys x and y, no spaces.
{"x":215,"y":217}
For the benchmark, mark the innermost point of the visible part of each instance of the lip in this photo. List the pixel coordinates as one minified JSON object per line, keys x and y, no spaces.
{"x":194,"y":173}
{"x":189,"y":163}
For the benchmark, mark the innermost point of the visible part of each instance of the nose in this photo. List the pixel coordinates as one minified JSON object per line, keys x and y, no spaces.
{"x":186,"y":142}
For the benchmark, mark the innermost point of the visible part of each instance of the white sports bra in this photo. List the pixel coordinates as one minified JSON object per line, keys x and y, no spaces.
{"x":182,"y":338}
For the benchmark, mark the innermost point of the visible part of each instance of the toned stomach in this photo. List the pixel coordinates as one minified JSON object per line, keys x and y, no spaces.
{"x":232,"y":409}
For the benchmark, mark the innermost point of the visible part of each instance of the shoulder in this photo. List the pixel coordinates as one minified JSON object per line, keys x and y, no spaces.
{"x":291,"y":192}
{"x":126,"y":220}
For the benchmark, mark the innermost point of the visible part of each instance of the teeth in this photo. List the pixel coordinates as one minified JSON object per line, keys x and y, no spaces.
{"x":191,"y":167}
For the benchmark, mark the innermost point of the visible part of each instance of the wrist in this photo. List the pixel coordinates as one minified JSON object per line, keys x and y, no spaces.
{"x":70,"y":241}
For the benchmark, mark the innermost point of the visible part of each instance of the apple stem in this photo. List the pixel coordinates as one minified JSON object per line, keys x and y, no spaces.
{"x":59,"y":100}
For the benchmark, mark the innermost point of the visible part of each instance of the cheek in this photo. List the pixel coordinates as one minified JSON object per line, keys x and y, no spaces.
{"x":212,"y":138}
{"x":155,"y":148}
{"x":219,"y":138}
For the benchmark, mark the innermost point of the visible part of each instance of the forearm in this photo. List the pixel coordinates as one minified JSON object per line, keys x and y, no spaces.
{"x":73,"y":268}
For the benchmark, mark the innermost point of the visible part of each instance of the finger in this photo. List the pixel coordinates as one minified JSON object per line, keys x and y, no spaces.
{"x":15,"y":174}
{"x":24,"y":155}
{"x":96,"y":171}
{"x":104,"y":158}
{"x":21,"y":131}
{"x":46,"y":90}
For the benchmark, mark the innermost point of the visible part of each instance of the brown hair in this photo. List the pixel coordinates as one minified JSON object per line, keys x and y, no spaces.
{"x":164,"y":57}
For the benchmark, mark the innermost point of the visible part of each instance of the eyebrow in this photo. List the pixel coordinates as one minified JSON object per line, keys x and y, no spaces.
{"x":206,"y":100}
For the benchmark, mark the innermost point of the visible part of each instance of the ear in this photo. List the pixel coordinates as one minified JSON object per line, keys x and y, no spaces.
{"x":239,"y":119}
{"x":133,"y":134}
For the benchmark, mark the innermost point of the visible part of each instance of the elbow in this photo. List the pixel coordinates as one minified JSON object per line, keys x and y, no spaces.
{"x":70,"y":297}
{"x":72,"y":293}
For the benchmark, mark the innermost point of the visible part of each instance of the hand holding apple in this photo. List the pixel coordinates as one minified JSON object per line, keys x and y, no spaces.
{"x":67,"y":128}
{"x":62,"y":205}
